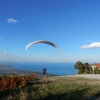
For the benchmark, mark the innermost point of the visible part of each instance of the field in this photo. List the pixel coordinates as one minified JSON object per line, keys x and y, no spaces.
{"x":55,"y":88}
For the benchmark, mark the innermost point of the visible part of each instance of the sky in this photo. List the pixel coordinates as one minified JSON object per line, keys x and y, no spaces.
{"x":73,"y":25}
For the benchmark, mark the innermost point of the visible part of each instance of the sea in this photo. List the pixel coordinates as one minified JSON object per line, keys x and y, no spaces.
{"x":59,"y":69}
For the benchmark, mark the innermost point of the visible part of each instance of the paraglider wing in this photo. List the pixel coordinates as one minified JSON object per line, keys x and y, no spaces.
{"x":43,"y":41}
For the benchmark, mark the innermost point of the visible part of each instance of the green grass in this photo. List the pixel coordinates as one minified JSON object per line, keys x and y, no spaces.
{"x":55,"y":88}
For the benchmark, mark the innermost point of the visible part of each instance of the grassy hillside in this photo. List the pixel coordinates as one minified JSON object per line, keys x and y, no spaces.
{"x":55,"y":88}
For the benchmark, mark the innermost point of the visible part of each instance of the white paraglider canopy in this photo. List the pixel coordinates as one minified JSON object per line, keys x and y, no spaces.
{"x":43,"y":41}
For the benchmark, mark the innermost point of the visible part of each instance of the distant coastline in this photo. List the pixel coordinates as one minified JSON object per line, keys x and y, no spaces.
{"x":5,"y":67}
{"x":9,"y":70}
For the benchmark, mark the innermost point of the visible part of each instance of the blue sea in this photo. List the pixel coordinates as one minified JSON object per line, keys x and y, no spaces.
{"x":52,"y":68}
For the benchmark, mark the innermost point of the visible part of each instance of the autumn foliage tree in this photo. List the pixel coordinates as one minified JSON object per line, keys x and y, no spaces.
{"x":9,"y":82}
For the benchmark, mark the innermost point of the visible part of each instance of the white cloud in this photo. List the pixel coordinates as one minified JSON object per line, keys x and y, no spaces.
{"x":5,"y":53}
{"x":93,"y":45}
{"x":11,"y":20}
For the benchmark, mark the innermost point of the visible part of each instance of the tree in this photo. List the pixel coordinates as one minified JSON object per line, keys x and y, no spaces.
{"x":86,"y":68}
{"x":96,"y":71}
{"x":79,"y":66}
{"x":82,"y":68}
